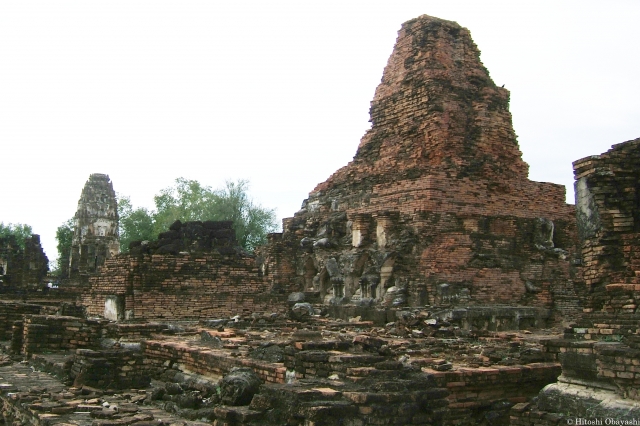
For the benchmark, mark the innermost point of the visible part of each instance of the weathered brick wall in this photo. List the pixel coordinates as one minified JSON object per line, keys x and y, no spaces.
{"x":185,"y":286}
{"x":50,"y":332}
{"x":11,"y":312}
{"x":601,"y":349}
{"x":485,"y":259}
{"x":620,"y":299}
{"x":277,"y":261}
{"x":22,"y":270}
{"x":115,"y":277}
{"x":604,"y":346}
{"x":325,"y":358}
{"x":133,"y":331}
{"x":437,"y":193}
{"x":207,"y":361}
{"x":110,"y":369}
{"x":608,"y":212}
{"x":604,"y":363}
{"x":494,"y":258}
{"x":475,"y":389}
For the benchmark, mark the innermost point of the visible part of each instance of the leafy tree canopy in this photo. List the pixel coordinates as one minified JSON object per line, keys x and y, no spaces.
{"x":135,"y":224}
{"x":186,"y":201}
{"x":251,"y":221}
{"x":64,"y":236}
{"x":189,"y":200}
{"x":19,"y":231}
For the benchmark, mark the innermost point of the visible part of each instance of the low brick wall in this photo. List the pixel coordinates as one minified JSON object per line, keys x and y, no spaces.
{"x":414,"y":402}
{"x":603,"y":346}
{"x":621,"y":365}
{"x":206,"y":361}
{"x":324,"y":358}
{"x":13,"y":311}
{"x":110,"y":369}
{"x":189,"y":286}
{"x":478,"y":388}
{"x":133,"y":331}
{"x":49,"y":332}
{"x":612,"y":365}
{"x":523,"y":414}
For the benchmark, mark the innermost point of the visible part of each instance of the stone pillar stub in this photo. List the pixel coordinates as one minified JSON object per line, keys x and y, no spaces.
{"x":384,"y":223}
{"x":360,"y":229}
{"x":588,"y":218}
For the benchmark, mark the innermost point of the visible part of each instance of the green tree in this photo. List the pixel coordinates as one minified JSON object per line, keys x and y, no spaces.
{"x":64,"y":236}
{"x":251,"y":221}
{"x":135,"y":224}
{"x":188,"y":200}
{"x":19,"y":231}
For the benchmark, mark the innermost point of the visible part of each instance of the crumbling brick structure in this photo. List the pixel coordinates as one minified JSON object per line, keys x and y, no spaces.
{"x":608,"y":213}
{"x":436,"y":206}
{"x":194,"y":270}
{"x":600,"y":352}
{"x":95,"y":235}
{"x":22,"y":270}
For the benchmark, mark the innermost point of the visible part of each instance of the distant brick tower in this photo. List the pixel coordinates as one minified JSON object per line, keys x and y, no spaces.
{"x":95,"y":236}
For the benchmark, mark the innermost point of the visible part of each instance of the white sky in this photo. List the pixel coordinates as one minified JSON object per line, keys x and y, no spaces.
{"x":276,"y":92}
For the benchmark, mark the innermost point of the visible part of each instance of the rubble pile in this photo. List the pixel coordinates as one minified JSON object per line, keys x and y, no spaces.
{"x":318,"y":370}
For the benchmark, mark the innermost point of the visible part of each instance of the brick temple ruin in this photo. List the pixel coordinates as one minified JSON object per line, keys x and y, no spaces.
{"x":95,"y":224}
{"x":428,"y":282}
{"x":436,"y":207}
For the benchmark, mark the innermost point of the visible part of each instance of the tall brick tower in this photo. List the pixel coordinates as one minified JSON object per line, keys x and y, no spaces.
{"x":436,"y":206}
{"x":436,"y":111}
{"x":95,"y":236}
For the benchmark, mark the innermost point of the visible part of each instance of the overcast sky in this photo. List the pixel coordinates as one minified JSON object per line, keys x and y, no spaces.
{"x":276,"y":92}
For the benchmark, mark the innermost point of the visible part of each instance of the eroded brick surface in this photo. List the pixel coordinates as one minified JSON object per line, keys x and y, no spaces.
{"x":436,"y":203}
{"x":183,"y":286}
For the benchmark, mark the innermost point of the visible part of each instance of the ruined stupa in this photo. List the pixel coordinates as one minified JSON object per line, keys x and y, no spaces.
{"x":436,"y":206}
{"x":95,"y":236}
